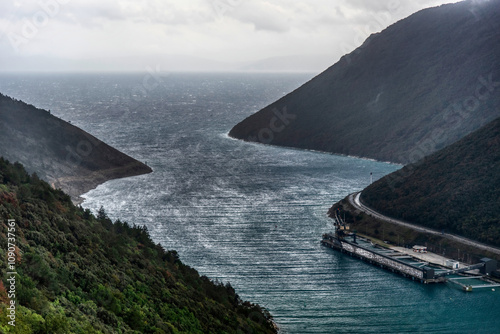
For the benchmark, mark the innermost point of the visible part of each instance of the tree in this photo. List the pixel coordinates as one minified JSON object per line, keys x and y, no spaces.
{"x":101,"y":214}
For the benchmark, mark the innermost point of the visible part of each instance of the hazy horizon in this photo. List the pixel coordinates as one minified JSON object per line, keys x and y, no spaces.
{"x":199,"y":35}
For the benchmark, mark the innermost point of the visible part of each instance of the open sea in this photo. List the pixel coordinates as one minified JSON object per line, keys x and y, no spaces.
{"x":248,"y":214}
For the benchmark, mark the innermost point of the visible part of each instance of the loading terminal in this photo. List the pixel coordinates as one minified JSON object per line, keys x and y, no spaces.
{"x":407,"y":264}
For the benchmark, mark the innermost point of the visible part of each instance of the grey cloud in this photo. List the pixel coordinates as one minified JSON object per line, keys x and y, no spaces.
{"x":17,"y":11}
{"x":274,"y":25}
{"x":96,"y":13}
{"x":280,"y":27}
{"x":372,"y":6}
{"x":180,"y":17}
{"x":263,"y":16}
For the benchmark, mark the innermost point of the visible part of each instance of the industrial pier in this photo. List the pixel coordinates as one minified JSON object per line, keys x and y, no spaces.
{"x":408,"y":265}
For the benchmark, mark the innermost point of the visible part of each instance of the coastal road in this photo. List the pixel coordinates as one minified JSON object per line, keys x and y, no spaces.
{"x":356,"y":203}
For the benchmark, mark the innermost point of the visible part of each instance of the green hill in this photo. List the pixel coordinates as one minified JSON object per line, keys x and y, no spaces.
{"x":77,"y":273}
{"x":416,"y":87}
{"x":456,"y":189}
{"x":64,"y":155}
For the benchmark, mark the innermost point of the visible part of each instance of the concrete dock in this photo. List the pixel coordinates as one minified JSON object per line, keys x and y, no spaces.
{"x":416,"y":263}
{"x":427,"y":257}
{"x":425,"y":267}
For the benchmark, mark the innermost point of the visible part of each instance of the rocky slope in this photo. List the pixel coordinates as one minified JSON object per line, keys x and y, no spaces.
{"x":64,"y":155}
{"x":416,"y":87}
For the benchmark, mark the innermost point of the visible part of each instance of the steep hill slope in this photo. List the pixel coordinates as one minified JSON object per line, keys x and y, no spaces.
{"x":416,"y":87}
{"x":66,"y":156}
{"x":77,"y":273}
{"x":456,"y":189}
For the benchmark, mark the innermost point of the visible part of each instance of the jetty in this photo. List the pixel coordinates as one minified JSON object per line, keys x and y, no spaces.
{"x":415,"y":263}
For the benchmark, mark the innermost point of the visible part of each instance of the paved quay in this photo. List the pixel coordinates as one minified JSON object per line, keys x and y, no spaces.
{"x":427,"y":257}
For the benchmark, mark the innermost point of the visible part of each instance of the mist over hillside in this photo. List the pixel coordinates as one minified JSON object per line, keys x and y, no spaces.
{"x":62,"y":154}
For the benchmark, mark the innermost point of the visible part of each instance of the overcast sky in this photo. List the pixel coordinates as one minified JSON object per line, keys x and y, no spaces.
{"x":196,"y":34}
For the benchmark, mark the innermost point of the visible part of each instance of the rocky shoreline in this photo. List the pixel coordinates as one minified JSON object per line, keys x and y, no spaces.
{"x":75,"y":186}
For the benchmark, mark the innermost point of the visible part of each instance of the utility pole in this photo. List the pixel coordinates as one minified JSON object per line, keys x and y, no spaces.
{"x":371,"y":177}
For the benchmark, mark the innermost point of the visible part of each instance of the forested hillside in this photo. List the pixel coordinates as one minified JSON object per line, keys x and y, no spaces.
{"x":416,"y":87}
{"x":455,"y":190}
{"x":77,"y":273}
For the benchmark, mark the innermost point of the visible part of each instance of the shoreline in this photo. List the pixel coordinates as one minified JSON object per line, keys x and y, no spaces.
{"x":227,"y":135}
{"x":78,"y":185}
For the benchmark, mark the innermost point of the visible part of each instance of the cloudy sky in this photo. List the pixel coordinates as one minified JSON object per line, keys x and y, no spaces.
{"x":189,"y":34}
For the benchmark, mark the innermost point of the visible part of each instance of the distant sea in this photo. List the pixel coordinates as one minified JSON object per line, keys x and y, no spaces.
{"x":248,"y":214}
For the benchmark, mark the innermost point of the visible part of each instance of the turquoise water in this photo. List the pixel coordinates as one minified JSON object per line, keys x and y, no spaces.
{"x":247,"y":213}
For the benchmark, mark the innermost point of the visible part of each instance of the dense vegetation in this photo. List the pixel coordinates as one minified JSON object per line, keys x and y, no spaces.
{"x":59,"y":152}
{"x":416,"y":87}
{"x":456,"y":189}
{"x":80,"y":273}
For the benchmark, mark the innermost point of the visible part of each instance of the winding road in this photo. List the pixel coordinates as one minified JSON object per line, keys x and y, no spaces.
{"x":355,"y":201}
